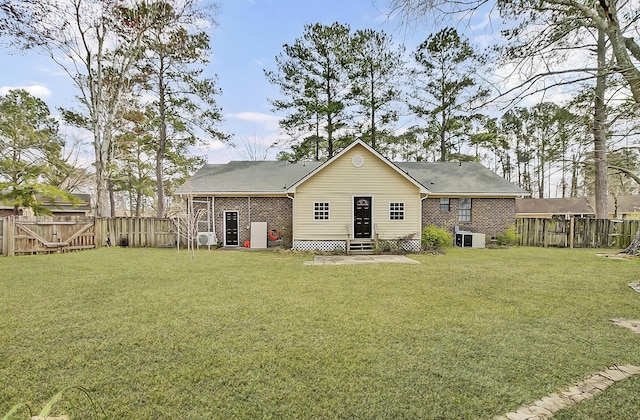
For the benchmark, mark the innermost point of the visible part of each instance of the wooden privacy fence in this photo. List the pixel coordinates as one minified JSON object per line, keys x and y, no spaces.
{"x":577,"y":232}
{"x":37,"y":235}
{"x":135,"y":232}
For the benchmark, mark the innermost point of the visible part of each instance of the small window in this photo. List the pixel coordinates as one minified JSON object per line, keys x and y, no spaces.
{"x":464,"y":210}
{"x":321,"y":211}
{"x":445,"y":205}
{"x":396,"y":211}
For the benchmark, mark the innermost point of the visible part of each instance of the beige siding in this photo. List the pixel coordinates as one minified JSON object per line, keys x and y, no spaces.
{"x":339,"y":182}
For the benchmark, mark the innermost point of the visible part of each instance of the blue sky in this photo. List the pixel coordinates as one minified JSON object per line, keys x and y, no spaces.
{"x":250,"y":33}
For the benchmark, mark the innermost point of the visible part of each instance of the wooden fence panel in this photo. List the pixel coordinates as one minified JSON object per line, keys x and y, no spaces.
{"x":37,"y":235}
{"x":41,"y":234}
{"x":585,"y":233}
{"x":136,"y":232}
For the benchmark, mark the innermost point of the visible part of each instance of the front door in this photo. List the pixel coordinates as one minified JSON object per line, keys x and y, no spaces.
{"x":230,"y":228}
{"x":361,"y":217}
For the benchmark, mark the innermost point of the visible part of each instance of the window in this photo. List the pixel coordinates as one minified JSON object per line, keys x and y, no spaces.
{"x":321,"y":211}
{"x":444,"y":204}
{"x":464,"y":210}
{"x":396,"y":211}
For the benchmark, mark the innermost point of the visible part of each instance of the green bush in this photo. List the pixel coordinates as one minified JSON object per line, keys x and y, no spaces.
{"x":509,"y":237}
{"x":435,"y":237}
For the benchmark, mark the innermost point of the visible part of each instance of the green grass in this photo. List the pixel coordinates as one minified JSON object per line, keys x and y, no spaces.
{"x":153,"y":333}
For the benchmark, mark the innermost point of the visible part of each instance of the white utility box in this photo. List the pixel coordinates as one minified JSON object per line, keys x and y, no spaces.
{"x":259,"y":235}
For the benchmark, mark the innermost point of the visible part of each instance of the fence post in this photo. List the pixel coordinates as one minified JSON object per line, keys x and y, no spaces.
{"x":11,"y":236}
{"x":5,"y":234}
{"x":572,"y":229}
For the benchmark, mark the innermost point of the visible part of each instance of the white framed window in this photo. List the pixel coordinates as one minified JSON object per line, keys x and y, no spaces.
{"x":321,"y":211}
{"x":396,"y":211}
{"x":464,"y":210}
{"x":445,"y":204}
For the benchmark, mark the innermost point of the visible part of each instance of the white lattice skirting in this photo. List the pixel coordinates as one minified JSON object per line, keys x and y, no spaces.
{"x":325,"y":246}
{"x":409,"y":245}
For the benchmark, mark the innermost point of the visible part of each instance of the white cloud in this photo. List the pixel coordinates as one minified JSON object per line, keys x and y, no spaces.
{"x":39,"y":91}
{"x":267,"y":121}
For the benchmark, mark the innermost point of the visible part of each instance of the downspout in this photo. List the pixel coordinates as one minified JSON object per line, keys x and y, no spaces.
{"x":423,"y":196}
{"x":213,"y":217}
{"x":292,"y":217}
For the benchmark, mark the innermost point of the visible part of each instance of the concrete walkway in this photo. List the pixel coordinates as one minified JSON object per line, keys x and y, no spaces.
{"x":359,"y":259}
{"x":592,"y":386}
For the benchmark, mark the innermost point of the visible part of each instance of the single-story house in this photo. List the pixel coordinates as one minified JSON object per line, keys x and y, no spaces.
{"x":58,"y":207}
{"x":356,"y":197}
{"x":620,"y":207}
{"x":553,"y":207}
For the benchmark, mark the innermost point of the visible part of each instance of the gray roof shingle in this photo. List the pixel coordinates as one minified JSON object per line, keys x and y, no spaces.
{"x":247,"y":177}
{"x":466,"y":178}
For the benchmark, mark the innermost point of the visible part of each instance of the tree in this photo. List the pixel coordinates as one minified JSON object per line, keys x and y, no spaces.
{"x":312,"y":74}
{"x":444,"y":87}
{"x":544,"y":33}
{"x":183,"y":101}
{"x":133,"y":163}
{"x":376,"y":73}
{"x":96,"y":43}
{"x":29,"y":149}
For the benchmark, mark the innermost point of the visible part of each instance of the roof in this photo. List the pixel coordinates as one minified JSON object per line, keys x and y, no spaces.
{"x":576,"y":205}
{"x":58,"y":205}
{"x":247,"y":177}
{"x":626,"y":203}
{"x":572,"y":205}
{"x":275,"y":177}
{"x":460,"y":178}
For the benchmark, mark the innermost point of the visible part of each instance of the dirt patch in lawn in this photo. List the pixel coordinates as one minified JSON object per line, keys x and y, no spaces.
{"x":618,"y":256}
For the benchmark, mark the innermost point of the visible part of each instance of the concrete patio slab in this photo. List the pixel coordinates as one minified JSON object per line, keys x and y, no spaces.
{"x":359,"y":259}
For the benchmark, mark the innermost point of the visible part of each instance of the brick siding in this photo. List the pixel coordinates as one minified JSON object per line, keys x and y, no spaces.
{"x":488,"y":215}
{"x":276,"y":211}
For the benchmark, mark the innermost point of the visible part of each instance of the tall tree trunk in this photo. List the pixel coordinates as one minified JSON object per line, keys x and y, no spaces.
{"x":373,"y":109}
{"x":600,"y":133}
{"x":443,"y":139}
{"x":162,"y":141}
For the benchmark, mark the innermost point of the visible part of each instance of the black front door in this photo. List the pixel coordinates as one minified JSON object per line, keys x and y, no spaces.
{"x":231,"y":228}
{"x":362,"y":217}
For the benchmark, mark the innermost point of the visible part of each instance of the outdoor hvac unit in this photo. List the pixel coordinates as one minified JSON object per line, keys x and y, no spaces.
{"x":470,"y":240}
{"x":206,"y":238}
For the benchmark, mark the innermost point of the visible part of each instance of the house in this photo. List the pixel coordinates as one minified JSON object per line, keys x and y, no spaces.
{"x":554,"y":207}
{"x":619,"y":207}
{"x":58,"y":207}
{"x":356,"y":197}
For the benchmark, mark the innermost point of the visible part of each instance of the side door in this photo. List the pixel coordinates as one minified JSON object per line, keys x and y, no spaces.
{"x":231,"y":228}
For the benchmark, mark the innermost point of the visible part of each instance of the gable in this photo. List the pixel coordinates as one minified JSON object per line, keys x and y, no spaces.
{"x":359,"y":166}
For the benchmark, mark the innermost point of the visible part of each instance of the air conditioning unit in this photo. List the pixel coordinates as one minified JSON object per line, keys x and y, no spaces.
{"x":206,"y":238}
{"x":469,"y":239}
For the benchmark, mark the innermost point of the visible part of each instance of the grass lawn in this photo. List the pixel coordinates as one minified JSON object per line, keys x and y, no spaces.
{"x":472,"y":334}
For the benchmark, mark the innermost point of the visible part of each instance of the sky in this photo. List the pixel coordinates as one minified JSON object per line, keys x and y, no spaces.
{"x":248,"y":37}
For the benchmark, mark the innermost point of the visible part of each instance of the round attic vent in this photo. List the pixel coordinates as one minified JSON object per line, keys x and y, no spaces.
{"x":357,"y":161}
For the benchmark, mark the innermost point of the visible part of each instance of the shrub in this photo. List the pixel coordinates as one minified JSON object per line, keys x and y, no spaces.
{"x":399,"y":246}
{"x":435,"y":237}
{"x":509,"y":237}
